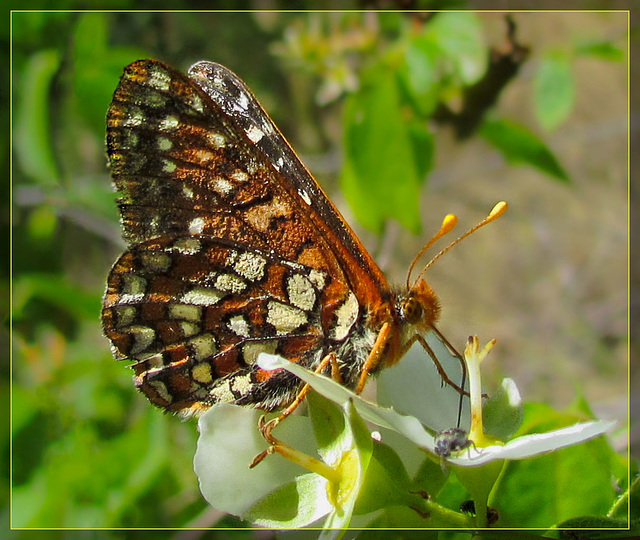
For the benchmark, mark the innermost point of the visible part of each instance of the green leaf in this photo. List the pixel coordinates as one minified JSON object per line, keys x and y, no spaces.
{"x":431,"y":477}
{"x":379,"y":177}
{"x":33,"y":143}
{"x":545,"y":490}
{"x":97,"y":67}
{"x":553,"y":91}
{"x":627,"y":505}
{"x":154,"y":454}
{"x":399,"y":518}
{"x":604,"y":50}
{"x":599,"y":522}
{"x":519,"y":145}
{"x":82,"y":481}
{"x":42,"y":222}
{"x":460,"y":38}
{"x":420,"y":73}
{"x":423,"y":147}
{"x":54,"y":289}
{"x":23,"y":408}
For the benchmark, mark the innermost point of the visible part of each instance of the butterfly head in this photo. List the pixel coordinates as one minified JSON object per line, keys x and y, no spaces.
{"x":420,"y":306}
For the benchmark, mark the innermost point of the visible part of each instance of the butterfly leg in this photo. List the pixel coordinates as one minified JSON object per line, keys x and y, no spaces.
{"x":374,"y":356}
{"x":443,"y":374}
{"x":267,"y":427}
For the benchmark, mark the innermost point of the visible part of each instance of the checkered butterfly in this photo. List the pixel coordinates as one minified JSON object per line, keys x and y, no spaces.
{"x":234,"y":250}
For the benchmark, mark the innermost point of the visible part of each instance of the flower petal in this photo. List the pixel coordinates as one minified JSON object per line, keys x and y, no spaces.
{"x":408,"y":426}
{"x":535,"y":444}
{"x":229,"y":441}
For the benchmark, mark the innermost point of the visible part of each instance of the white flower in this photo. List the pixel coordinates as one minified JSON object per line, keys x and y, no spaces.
{"x":411,"y":428}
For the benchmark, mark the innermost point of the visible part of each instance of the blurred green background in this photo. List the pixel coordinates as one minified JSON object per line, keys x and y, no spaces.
{"x":388,"y":111}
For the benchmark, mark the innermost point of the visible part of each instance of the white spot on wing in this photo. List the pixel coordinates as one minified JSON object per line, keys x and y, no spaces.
{"x":196,"y":226}
{"x":222,"y":392}
{"x":230,"y":283}
{"x":135,"y":117}
{"x":301,"y":292}
{"x":243,"y":102}
{"x":125,"y":315}
{"x":239,"y":326}
{"x":204,"y":346}
{"x":164,"y":144}
{"x":215,"y":139}
{"x":160,"y":387}
{"x":159,"y":80}
{"x":346,"y":315}
{"x":143,"y":336}
{"x":250,"y":266}
{"x":196,"y":103}
{"x":251,"y":350}
{"x":284,"y":318}
{"x":318,"y":279}
{"x":133,"y":285}
{"x":156,"y":261}
{"x":186,"y":245}
{"x":203,"y":155}
{"x":222,"y":186}
{"x":200,"y":296}
{"x":305,"y":196}
{"x":239,"y":176}
{"x":170,"y":123}
{"x":255,"y":134}
{"x":202,"y":373}
{"x":189,"y":328}
{"x":168,"y":166}
{"x":185,"y":312}
{"x":242,"y":383}
{"x":131,"y":139}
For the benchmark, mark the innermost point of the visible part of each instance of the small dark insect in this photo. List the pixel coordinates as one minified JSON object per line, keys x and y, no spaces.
{"x":469,"y":508}
{"x":452,"y":440}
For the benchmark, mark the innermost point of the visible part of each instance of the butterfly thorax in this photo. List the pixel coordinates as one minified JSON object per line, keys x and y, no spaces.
{"x":399,"y":317}
{"x":414,"y":311}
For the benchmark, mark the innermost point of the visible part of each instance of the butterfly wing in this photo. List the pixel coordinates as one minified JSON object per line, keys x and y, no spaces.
{"x":211,"y":193}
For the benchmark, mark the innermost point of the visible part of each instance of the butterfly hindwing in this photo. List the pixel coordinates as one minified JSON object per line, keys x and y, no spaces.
{"x":193,"y":310}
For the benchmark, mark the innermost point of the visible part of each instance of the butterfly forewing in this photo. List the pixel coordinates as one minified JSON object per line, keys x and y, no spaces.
{"x":230,"y":92}
{"x":234,"y":249}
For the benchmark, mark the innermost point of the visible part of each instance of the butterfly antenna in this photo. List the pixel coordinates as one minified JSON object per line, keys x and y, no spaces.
{"x":448,"y":223}
{"x":497,"y":211}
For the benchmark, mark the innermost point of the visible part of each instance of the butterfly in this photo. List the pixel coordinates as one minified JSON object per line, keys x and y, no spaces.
{"x":235,"y":250}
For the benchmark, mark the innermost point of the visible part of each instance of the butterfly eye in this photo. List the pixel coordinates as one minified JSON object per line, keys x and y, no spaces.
{"x":412,"y":310}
